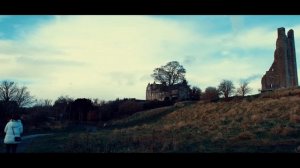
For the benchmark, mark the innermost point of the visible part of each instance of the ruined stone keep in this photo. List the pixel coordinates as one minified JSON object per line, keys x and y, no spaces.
{"x":283,"y":72}
{"x":162,"y":92}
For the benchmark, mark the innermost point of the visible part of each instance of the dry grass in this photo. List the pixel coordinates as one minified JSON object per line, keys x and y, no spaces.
{"x":282,"y":131}
{"x":269,"y":123}
{"x":294,"y":118}
{"x":237,"y":121}
{"x":282,"y":93}
{"x":244,"y":136}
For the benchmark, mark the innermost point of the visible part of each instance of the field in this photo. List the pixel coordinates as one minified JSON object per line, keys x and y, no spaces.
{"x":267,"y":124}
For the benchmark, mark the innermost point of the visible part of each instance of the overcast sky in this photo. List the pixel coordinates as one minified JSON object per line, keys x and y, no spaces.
{"x":107,"y":57}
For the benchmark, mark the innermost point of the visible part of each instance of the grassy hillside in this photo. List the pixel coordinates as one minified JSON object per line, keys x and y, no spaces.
{"x":269,"y":123}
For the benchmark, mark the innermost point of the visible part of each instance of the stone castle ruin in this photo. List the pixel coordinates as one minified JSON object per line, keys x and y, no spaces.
{"x":162,"y":92}
{"x":283,"y":72}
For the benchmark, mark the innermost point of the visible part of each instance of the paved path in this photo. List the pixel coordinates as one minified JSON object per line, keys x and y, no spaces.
{"x":33,"y":136}
{"x":26,"y":141}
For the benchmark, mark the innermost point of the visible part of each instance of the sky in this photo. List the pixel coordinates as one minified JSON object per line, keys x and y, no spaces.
{"x":109,"y":57}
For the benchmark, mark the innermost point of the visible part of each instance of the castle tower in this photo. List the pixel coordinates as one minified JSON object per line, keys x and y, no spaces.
{"x":292,"y":59}
{"x":283,"y":72}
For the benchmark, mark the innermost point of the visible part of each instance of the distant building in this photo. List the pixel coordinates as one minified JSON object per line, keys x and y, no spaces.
{"x":283,"y":72}
{"x":162,"y":92}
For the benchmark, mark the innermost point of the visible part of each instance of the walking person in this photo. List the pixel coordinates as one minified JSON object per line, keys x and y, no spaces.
{"x":13,"y":131}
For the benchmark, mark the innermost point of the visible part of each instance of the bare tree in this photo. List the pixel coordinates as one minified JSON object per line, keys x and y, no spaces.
{"x":44,"y":102}
{"x":9,"y":91}
{"x":48,"y":102}
{"x":243,"y":88}
{"x":23,"y":97}
{"x":170,"y":74}
{"x":226,"y":88}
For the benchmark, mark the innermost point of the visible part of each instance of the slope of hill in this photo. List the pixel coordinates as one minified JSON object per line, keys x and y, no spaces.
{"x":269,"y":123}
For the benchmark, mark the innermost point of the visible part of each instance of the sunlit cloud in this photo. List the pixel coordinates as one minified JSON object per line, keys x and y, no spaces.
{"x":113,"y":56}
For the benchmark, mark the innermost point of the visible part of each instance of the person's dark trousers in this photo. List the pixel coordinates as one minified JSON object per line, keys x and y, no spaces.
{"x":11,"y":148}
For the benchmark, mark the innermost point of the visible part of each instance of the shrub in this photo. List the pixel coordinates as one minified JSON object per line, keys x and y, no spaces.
{"x":130,"y":107}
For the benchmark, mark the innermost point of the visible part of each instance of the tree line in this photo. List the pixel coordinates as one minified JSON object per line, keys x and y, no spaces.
{"x":173,"y":73}
{"x":17,"y":99}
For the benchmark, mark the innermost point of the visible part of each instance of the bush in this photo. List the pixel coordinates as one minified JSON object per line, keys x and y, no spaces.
{"x":156,"y":104}
{"x":130,"y":107}
{"x":211,"y":94}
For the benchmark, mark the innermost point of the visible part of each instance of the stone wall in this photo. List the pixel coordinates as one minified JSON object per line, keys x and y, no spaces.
{"x":283,"y":72}
{"x":161,"y":92}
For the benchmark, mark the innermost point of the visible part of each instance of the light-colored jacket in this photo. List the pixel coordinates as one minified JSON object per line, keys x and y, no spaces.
{"x":13,"y":129}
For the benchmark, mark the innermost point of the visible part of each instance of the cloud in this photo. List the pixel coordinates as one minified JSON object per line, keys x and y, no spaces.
{"x":252,"y":78}
{"x":3,"y":17}
{"x":236,"y":23}
{"x":92,"y":55}
{"x":189,"y":59}
{"x":113,"y":56}
{"x":235,"y":57}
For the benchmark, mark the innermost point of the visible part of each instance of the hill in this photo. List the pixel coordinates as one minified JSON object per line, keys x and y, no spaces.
{"x":268,"y":122}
